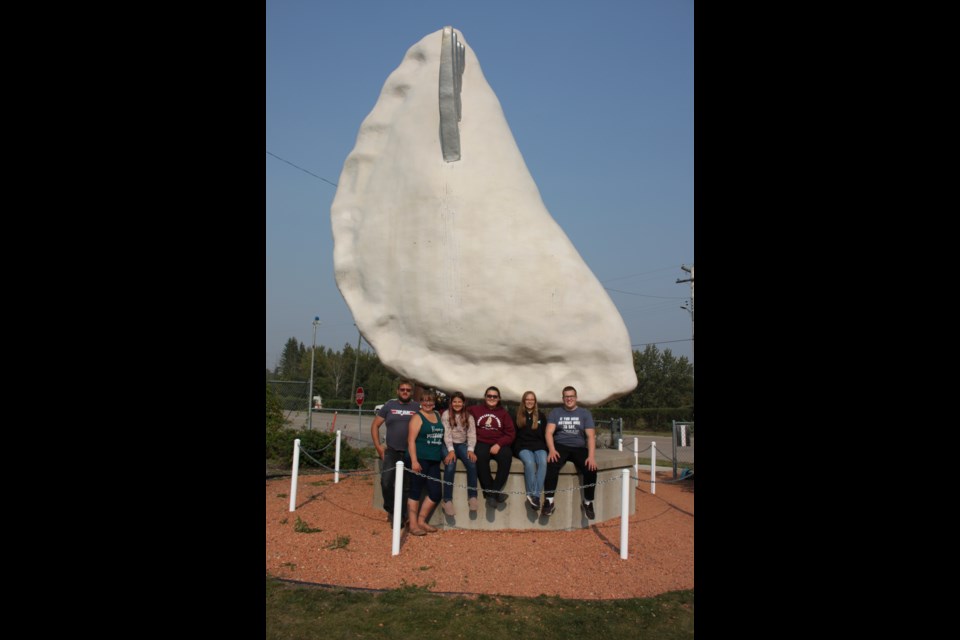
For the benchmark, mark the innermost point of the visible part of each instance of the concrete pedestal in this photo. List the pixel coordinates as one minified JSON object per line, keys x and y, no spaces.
{"x":515,"y":514}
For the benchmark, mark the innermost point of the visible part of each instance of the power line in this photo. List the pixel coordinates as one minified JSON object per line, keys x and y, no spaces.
{"x":302,"y":169}
{"x":644,"y":295}
{"x":670,"y":268}
{"x":652,"y":307}
{"x":643,"y":344}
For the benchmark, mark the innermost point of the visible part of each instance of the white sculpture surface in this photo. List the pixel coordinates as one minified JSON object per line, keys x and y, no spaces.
{"x":454,"y":270}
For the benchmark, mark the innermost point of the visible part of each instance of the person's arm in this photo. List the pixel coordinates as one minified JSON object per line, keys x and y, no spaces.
{"x":448,"y":438}
{"x":542,"y":431}
{"x":471,"y":438}
{"x":495,"y":447}
{"x":554,"y":454}
{"x":412,"y":432}
{"x":509,"y":432}
{"x":375,"y":434}
{"x":591,"y":448}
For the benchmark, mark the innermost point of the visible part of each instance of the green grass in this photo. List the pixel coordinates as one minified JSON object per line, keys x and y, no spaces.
{"x":302,"y":527}
{"x":306,"y":612}
{"x":340,"y":543}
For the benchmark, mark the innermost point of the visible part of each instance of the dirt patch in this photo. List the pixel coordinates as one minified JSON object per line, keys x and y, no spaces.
{"x":353,"y":546}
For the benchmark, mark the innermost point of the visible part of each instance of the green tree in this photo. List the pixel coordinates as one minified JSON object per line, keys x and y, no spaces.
{"x":663,"y":380}
{"x":275,"y":419}
{"x":378,"y":382}
{"x":338,"y":367}
{"x":289,"y":365}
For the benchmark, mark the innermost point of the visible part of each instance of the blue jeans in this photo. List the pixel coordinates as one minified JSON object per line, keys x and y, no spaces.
{"x":534,"y":470}
{"x":450,"y":470}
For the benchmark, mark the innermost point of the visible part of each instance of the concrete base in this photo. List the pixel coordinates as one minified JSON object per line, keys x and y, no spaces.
{"x":515,"y":514}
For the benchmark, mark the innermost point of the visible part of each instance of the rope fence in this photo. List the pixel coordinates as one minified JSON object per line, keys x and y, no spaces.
{"x":624,"y":477}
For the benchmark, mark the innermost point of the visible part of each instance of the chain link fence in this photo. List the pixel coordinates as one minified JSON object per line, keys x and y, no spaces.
{"x":293,"y":395}
{"x":609,"y":432}
{"x":682,"y":446}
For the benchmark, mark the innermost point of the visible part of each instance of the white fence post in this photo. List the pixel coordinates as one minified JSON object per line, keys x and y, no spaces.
{"x":397,"y":497}
{"x":336,"y":464}
{"x":620,"y":444}
{"x":636,"y":459}
{"x":293,"y":476}
{"x":624,"y":513}
{"x":653,"y":467}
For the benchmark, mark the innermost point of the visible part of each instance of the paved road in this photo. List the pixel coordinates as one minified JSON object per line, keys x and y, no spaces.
{"x":356,"y":430}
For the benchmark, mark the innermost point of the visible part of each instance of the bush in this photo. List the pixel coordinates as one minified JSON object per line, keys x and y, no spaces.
{"x":275,"y":419}
{"x":280,"y":447}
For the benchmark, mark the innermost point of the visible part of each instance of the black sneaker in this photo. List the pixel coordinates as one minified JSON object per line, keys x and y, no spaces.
{"x":533,"y":502}
{"x":588,"y":509}
{"x":548,"y":508}
{"x":501,"y":498}
{"x":491,"y":502}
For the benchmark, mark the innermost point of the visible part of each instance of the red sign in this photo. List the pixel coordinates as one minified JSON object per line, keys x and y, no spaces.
{"x":359,"y":396}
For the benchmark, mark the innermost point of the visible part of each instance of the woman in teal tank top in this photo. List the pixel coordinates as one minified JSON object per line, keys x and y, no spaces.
{"x":425,"y":448}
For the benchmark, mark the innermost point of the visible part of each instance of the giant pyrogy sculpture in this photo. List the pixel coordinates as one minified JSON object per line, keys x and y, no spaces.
{"x":453,"y":268}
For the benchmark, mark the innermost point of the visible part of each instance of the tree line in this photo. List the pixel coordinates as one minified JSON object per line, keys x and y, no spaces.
{"x":663,"y":380}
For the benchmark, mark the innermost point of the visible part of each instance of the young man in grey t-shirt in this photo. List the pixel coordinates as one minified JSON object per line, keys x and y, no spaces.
{"x":396,"y":413}
{"x":571,"y":435}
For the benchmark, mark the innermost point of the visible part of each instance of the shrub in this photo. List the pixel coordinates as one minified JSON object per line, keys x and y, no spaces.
{"x":275,"y":419}
{"x":280,"y":447}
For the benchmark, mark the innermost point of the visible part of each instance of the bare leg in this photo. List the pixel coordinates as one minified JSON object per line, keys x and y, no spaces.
{"x":412,"y":518}
{"x":425,"y":510}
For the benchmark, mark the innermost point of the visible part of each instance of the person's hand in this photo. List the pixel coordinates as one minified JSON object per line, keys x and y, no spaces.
{"x":591,"y":463}
{"x":450,"y":458}
{"x":554,"y":456}
{"x":495,"y":449}
{"x":416,"y":466}
{"x":471,"y":456}
{"x":380,"y":451}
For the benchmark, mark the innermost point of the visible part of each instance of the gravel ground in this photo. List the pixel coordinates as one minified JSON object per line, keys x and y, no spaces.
{"x":571,"y":564}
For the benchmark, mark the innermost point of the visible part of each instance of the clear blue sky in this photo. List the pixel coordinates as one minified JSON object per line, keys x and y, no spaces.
{"x":599,"y":96}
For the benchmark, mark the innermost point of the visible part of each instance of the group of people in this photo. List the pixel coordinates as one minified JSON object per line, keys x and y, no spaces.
{"x":423,"y":437}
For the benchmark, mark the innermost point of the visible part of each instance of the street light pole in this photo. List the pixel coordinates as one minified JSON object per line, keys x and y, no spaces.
{"x":313,"y":351}
{"x":356,"y":362}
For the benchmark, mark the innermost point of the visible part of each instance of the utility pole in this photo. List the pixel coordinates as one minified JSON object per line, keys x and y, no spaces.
{"x":313,"y":354}
{"x":690,"y":280}
{"x":356,"y":361}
